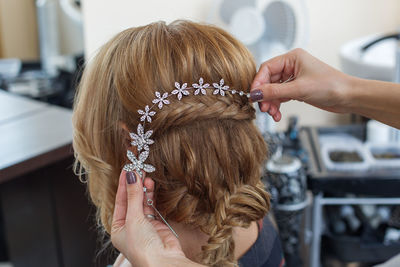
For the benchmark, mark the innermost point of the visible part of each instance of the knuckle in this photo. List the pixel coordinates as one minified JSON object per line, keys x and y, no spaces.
{"x":116,"y":227}
{"x":131,"y":193}
{"x":264,"y":65}
{"x":119,"y":202}
{"x":274,"y":92}
{"x":114,"y":238}
{"x":301,"y":91}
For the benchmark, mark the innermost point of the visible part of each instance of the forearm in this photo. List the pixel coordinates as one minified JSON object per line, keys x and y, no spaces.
{"x":375,"y":99}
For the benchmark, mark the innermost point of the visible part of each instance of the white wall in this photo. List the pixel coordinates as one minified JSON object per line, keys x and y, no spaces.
{"x":104,"y":18}
{"x":332,"y":23}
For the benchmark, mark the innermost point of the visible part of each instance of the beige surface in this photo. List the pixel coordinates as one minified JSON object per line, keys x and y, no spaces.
{"x":332,"y":23}
{"x":18,"y":30}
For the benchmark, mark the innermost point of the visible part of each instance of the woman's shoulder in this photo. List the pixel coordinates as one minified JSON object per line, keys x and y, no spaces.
{"x":267,"y":250}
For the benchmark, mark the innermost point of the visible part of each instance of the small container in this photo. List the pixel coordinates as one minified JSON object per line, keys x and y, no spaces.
{"x":345,"y":156}
{"x":384,"y":156}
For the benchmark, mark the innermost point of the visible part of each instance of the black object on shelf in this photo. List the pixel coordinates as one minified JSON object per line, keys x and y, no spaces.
{"x":354,"y":249}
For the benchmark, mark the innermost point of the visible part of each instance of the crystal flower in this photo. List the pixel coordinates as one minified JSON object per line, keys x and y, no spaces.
{"x":141,"y":139}
{"x":161,"y":100}
{"x":180,"y":90}
{"x":146,"y":114}
{"x":138,"y":164}
{"x":220,"y":88}
{"x":200,"y":87}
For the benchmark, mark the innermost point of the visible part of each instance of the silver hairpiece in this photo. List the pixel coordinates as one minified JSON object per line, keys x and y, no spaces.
{"x":141,"y":139}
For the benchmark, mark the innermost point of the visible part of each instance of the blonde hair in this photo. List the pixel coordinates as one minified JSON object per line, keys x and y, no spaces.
{"x":207,"y":153}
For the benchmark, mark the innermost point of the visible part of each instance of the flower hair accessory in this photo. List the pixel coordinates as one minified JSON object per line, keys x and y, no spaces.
{"x":141,"y":139}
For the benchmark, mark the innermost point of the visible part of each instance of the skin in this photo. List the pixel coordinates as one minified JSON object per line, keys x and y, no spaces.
{"x":322,"y":86}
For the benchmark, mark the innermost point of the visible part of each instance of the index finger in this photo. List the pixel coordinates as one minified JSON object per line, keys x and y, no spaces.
{"x":275,"y":69}
{"x":267,"y":70}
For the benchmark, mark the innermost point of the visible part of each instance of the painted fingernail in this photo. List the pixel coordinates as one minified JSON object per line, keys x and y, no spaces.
{"x":256,"y":95}
{"x":130,"y":177}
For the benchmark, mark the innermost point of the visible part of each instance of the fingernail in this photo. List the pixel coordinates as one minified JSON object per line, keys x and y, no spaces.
{"x":271,"y":110}
{"x":130,"y":177}
{"x":256,"y":84}
{"x":256,"y":95}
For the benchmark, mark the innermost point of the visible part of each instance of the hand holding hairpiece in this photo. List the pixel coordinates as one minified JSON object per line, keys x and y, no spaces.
{"x":141,"y":139}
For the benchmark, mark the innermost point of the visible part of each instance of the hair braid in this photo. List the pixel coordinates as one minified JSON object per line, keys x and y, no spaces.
{"x":238,"y":209}
{"x":195,"y":108}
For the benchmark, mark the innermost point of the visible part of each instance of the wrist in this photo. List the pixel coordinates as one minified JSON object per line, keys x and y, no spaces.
{"x":349,"y":96}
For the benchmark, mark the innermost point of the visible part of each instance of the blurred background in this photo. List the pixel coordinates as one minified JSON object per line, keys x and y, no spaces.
{"x":45,"y":217}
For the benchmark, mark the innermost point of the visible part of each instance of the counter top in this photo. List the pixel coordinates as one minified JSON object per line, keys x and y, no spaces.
{"x":33,"y":134}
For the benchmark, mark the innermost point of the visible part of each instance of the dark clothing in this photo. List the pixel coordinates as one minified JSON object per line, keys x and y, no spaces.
{"x":266,"y":251}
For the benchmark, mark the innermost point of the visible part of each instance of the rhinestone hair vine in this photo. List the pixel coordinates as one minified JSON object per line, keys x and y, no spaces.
{"x":141,"y":139}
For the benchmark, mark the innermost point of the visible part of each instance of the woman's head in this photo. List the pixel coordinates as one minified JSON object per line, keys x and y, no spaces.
{"x":207,"y":151}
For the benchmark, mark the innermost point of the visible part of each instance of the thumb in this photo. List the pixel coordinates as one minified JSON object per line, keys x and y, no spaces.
{"x":274,"y":91}
{"x":134,"y":190}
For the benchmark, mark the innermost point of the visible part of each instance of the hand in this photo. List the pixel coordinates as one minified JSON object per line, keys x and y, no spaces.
{"x":142,"y":240}
{"x":315,"y":83}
